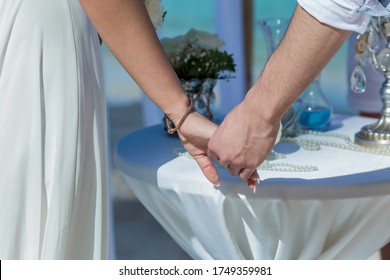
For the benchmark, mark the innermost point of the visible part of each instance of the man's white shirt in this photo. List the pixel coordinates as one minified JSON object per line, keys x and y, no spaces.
{"x":353,"y":15}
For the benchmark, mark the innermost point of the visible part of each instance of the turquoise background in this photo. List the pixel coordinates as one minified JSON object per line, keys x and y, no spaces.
{"x":185,"y":14}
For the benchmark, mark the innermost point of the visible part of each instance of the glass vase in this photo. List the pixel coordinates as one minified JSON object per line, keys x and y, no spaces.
{"x":273,"y":30}
{"x":201,"y":92}
{"x":316,"y":113}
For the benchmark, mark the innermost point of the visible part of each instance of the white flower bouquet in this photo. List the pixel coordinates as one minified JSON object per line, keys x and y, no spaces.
{"x":197,"y":55}
{"x":156,"y":12}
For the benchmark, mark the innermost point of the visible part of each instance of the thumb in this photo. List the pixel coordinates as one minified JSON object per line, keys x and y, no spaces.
{"x":208,"y":169}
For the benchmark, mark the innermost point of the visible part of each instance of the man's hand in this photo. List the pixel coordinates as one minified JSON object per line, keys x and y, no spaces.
{"x":248,"y":133}
{"x":242,"y":142}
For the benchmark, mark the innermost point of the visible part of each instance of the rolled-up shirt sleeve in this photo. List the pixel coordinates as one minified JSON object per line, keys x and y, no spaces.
{"x":353,"y":15}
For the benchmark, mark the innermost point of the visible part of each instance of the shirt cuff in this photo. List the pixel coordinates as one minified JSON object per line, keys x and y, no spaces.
{"x":341,"y":14}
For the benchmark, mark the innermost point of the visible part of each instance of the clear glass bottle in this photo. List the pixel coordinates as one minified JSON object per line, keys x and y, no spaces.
{"x":317,"y":112}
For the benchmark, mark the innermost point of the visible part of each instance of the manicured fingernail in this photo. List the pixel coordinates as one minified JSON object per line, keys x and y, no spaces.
{"x":254,"y":189}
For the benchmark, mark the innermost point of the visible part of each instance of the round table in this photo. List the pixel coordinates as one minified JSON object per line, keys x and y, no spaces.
{"x":331,"y":203}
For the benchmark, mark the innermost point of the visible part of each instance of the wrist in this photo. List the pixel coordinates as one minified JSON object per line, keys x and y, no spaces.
{"x":177,"y":108}
{"x":263,"y":116}
{"x":178,"y":115}
{"x":263,"y":107}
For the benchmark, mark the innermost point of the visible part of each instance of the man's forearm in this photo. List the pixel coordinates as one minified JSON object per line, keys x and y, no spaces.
{"x":306,"y":48}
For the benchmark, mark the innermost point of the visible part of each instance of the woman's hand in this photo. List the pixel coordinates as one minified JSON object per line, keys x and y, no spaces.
{"x":194,"y":134}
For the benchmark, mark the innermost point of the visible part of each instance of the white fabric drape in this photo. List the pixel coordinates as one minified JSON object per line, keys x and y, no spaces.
{"x":339,"y":211}
{"x":53,"y":162}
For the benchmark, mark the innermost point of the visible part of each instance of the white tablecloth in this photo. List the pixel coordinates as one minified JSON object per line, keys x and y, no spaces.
{"x":340,"y":211}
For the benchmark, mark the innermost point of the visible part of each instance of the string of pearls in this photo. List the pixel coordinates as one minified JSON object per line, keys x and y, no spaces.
{"x":286,"y":167}
{"x":339,"y":141}
{"x":344,"y":143}
{"x":268,"y":164}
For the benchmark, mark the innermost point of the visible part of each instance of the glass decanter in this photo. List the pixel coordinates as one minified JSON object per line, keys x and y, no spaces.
{"x":317,"y":112}
{"x":273,"y":30}
{"x":311,"y":110}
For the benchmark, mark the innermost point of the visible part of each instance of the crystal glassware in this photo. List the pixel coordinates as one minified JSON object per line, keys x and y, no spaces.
{"x":369,"y":49}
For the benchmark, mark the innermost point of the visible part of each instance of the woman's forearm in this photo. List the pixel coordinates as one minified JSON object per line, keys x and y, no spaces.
{"x":127,"y":31}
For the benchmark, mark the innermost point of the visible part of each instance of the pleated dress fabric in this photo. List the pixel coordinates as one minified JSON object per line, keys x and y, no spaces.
{"x":53,"y":152}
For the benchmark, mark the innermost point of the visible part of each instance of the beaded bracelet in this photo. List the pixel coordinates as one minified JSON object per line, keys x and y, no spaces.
{"x":172,"y":130}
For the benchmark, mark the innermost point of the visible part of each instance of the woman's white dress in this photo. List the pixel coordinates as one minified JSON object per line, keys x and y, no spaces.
{"x":53,"y":163}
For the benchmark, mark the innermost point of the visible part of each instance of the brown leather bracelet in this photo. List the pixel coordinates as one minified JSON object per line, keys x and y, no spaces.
{"x":172,"y":130}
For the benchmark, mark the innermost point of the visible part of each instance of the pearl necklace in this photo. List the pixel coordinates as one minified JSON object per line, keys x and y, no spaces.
{"x":346,"y":143}
{"x":340,"y":142}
